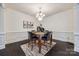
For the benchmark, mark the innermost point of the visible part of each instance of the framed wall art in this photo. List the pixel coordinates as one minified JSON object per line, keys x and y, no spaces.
{"x":28,"y":24}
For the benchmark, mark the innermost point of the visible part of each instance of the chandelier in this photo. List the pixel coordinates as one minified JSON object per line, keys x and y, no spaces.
{"x":40,"y":15}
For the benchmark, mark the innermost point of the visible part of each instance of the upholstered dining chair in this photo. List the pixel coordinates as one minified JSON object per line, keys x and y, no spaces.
{"x":32,"y":39}
{"x":47,"y":37}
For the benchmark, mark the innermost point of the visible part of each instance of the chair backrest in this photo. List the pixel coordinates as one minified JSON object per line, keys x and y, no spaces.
{"x":29,"y":35}
{"x":50,"y":35}
{"x":46,"y":35}
{"x":33,"y":30}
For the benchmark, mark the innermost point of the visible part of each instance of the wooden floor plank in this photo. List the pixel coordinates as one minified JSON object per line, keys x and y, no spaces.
{"x":60,"y":49}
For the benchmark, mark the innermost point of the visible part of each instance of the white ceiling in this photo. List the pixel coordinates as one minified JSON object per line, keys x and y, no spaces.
{"x":32,"y":8}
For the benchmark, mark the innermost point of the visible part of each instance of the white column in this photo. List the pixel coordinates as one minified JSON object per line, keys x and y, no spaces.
{"x":2,"y":32}
{"x":76,"y":27}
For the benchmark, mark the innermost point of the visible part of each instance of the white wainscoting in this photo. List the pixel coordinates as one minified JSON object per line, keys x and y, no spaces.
{"x":76,"y":47}
{"x":64,"y":36}
{"x":12,"y":37}
{"x":2,"y":40}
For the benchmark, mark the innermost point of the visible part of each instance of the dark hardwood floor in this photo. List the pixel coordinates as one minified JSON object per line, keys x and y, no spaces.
{"x":60,"y":49}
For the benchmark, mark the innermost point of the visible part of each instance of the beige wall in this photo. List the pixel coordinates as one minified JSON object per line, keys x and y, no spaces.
{"x":62,"y":25}
{"x":1,"y":19}
{"x":60,"y":22}
{"x":14,"y":25}
{"x":14,"y":21}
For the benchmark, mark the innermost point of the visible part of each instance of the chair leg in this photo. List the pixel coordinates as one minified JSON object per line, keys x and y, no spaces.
{"x":32,"y":45}
{"x":28,"y":43}
{"x":45,"y":44}
{"x":50,"y":42}
{"x":44,"y":41}
{"x":35,"y":42}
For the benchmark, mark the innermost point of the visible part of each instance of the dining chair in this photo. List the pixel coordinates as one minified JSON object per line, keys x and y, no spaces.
{"x":47,"y":37}
{"x":32,"y":39}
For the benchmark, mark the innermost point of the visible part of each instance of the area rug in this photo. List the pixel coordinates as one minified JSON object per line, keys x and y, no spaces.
{"x":35,"y":52}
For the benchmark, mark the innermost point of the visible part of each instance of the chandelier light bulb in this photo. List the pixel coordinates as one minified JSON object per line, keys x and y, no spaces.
{"x":39,"y":19}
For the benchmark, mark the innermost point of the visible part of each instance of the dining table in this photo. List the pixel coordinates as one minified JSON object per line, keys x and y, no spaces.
{"x":39,"y":34}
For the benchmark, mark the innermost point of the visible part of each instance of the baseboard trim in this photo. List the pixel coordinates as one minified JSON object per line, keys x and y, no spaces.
{"x":70,"y":43}
{"x":24,"y":41}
